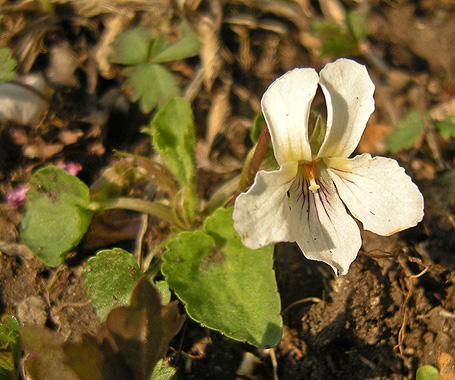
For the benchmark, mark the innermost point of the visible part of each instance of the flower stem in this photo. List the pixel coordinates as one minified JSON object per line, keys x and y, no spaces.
{"x":252,"y":163}
{"x":139,"y":205}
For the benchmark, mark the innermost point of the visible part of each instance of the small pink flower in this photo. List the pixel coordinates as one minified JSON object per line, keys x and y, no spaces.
{"x":71,"y":167}
{"x":17,"y":196}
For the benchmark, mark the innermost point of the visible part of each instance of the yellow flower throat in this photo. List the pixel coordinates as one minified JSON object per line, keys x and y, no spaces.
{"x":309,"y":170}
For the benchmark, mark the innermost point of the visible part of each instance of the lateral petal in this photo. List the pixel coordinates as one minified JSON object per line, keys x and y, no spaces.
{"x":378,"y":192}
{"x":262,"y":215}
{"x":321,"y":226}
{"x":286,"y":108}
{"x":348,"y":91}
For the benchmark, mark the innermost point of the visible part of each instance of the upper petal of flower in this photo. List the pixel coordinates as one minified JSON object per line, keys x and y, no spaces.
{"x":378,"y":192}
{"x":348,"y":91}
{"x":286,"y":108}
{"x":321,"y":226}
{"x":261,"y":215}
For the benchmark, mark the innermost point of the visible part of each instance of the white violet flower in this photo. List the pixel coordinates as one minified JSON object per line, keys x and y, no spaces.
{"x":305,"y":200}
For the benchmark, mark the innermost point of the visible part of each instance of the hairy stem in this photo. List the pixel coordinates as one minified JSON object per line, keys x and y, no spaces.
{"x":252,"y":163}
{"x":139,"y":205}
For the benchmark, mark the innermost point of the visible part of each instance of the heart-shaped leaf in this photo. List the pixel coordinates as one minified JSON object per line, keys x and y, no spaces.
{"x":223,"y":284}
{"x":57,"y":214}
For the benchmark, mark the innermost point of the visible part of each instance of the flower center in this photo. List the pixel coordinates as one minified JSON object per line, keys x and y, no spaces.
{"x":310,"y":173}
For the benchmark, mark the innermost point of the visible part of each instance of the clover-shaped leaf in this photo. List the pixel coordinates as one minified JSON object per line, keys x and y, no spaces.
{"x":185,"y":47}
{"x":57,"y":214}
{"x":150,"y":82}
{"x":152,"y":85}
{"x":132,"y":46}
{"x":223,"y":284}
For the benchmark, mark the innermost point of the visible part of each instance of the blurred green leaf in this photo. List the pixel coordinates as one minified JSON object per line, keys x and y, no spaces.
{"x":446,"y":127}
{"x":162,"y":373}
{"x":57,"y":214}
{"x":187,"y":46}
{"x":110,"y":277}
{"x":152,"y":84}
{"x":224,"y":285}
{"x":336,"y":41}
{"x":7,"y":65}
{"x":427,"y":372}
{"x":406,"y":133}
{"x":357,"y":25}
{"x":174,"y":139}
{"x":10,"y":348}
{"x":132,"y":46}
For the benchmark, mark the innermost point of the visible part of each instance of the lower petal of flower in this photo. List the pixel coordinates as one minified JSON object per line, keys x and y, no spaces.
{"x":320,"y":224}
{"x":378,"y":192}
{"x":262,"y":214}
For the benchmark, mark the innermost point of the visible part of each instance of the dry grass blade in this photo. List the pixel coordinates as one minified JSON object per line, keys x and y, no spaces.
{"x":209,"y":34}
{"x":115,"y":24}
{"x":219,"y":112}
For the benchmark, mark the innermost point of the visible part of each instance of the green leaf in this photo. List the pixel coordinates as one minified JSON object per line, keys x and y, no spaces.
{"x":152,"y":84}
{"x":10,"y":348}
{"x":258,"y":124}
{"x":427,"y":372}
{"x":132,"y":46}
{"x":162,"y":373}
{"x":224,"y":285}
{"x":7,"y":65}
{"x":336,"y":41}
{"x":446,"y":127}
{"x":110,"y":277}
{"x":357,"y":24}
{"x":174,"y":139}
{"x":406,"y":133}
{"x":56,"y":214}
{"x":165,"y":292}
{"x":318,"y":133}
{"x":187,"y":46}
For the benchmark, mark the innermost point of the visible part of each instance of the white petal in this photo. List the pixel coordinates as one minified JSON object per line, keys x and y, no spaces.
{"x":378,"y":192}
{"x":321,"y":226}
{"x":286,"y":107}
{"x":261,"y":215}
{"x":348,"y":91}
